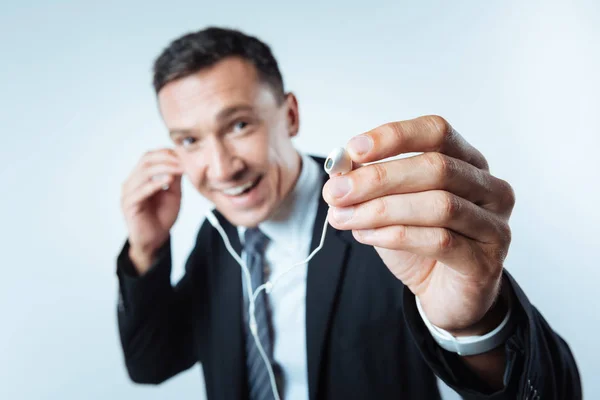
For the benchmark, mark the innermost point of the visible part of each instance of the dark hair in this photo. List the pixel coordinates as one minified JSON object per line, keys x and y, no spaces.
{"x":197,"y":50}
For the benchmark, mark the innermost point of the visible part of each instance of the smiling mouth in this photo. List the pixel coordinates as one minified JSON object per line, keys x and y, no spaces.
{"x":242,"y":189}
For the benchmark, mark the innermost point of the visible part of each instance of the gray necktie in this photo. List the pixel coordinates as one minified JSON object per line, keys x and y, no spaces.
{"x":259,"y":383}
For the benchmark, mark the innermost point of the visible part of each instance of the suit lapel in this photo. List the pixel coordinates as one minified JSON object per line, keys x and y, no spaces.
{"x":323,"y":276}
{"x":228,"y":332}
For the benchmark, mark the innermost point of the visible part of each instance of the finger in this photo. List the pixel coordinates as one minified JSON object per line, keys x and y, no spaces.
{"x":428,"y":171}
{"x":141,"y":177}
{"x":161,"y":156}
{"x":150,"y":188}
{"x":440,"y":244}
{"x":434,"y":208}
{"x":423,"y":134}
{"x":174,"y":186}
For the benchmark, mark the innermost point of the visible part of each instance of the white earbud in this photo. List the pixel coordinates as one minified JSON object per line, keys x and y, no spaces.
{"x":338,"y":162}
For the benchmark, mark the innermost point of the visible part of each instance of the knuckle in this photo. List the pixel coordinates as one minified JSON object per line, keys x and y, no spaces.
{"x":395,"y":130}
{"x":380,"y":175}
{"x":445,"y":240}
{"x":483,"y":162}
{"x":380,"y":207}
{"x":448,"y":206}
{"x":440,"y":125}
{"x":399,"y":234}
{"x":149,"y":155}
{"x":145,"y":163}
{"x":507,"y":194}
{"x":441,"y":165}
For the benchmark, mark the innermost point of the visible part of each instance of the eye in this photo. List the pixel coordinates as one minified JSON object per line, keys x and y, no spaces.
{"x":239,"y":126}
{"x":188,"y":141}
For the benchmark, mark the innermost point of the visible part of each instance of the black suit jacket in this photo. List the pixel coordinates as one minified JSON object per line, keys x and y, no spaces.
{"x":364,"y":337}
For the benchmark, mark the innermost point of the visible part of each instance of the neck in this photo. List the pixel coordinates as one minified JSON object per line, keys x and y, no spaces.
{"x":281,"y":211}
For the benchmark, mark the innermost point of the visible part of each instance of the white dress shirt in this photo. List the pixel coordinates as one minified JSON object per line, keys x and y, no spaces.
{"x":290,"y":232}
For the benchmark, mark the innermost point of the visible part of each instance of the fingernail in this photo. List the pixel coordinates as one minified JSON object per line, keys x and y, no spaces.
{"x":360,"y":144}
{"x":339,"y":186}
{"x":342,"y":214}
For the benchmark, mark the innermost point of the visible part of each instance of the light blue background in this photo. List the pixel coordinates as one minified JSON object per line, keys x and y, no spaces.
{"x":518,"y":79}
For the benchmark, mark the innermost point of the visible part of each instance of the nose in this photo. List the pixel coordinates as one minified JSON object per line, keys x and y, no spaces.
{"x":222,"y":164}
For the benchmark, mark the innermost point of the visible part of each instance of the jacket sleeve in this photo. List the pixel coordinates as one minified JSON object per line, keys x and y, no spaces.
{"x":539,"y":363}
{"x":156,"y":319}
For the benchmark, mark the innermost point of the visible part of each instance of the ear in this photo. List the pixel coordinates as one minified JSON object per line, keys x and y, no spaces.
{"x":293,"y":116}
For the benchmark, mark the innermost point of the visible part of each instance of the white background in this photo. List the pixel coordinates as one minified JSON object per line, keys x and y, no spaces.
{"x":518,"y":79}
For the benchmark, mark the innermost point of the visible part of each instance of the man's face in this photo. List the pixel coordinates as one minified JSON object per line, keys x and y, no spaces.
{"x":233,"y":138}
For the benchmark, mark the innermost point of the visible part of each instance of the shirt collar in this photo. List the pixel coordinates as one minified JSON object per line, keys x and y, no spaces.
{"x":292,"y":224}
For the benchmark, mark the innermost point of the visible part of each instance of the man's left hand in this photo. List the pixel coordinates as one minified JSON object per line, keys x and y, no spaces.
{"x":438,"y":220}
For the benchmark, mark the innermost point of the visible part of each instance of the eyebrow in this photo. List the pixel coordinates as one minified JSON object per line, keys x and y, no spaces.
{"x":221,"y":116}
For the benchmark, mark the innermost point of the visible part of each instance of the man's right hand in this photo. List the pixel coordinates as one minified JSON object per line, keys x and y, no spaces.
{"x":150,"y":201}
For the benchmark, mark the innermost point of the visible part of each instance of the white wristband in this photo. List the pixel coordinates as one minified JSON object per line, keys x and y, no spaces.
{"x":471,"y":345}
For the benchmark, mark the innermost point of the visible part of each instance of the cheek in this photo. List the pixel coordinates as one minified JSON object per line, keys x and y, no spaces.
{"x":254,"y":151}
{"x":281,"y":153}
{"x":193,"y":167}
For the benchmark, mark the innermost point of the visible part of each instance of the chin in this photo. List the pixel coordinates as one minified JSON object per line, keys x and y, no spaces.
{"x":247,"y":218}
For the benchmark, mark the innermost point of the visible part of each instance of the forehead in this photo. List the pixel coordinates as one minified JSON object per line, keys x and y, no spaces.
{"x":189,"y":101}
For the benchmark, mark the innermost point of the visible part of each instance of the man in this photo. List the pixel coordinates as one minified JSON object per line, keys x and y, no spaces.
{"x":408,"y":285}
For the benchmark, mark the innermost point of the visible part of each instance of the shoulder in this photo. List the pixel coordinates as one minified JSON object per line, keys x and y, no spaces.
{"x":319,"y":159}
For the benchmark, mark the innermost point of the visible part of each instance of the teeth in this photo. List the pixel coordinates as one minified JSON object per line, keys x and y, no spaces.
{"x":237,"y":190}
